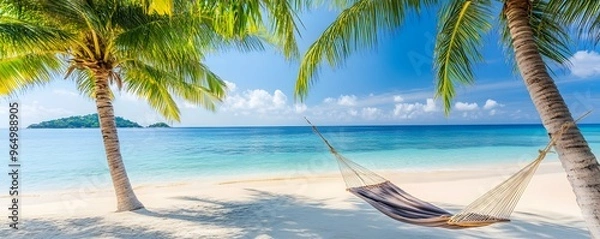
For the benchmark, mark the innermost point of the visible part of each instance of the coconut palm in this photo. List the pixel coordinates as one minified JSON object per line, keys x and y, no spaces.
{"x":151,"y":49}
{"x":529,"y":30}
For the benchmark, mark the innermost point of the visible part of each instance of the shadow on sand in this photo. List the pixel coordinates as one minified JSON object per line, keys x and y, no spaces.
{"x":271,"y":215}
{"x":285,"y":216}
{"x":88,"y":227}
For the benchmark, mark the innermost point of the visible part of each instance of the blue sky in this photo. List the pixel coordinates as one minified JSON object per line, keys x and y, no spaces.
{"x":392,"y":84}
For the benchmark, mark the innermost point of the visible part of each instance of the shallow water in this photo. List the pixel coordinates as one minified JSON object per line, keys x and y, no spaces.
{"x":66,"y":158}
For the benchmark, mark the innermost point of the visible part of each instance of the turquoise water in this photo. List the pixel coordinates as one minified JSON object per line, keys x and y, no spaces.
{"x":67,"y":158}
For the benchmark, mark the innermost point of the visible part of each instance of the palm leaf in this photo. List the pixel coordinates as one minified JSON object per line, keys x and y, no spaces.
{"x":89,"y":18}
{"x":195,"y":84}
{"x":161,"y":7}
{"x":356,"y":27}
{"x":284,"y":24}
{"x":22,"y":72}
{"x":171,"y":38}
{"x":149,"y":84}
{"x":582,"y":15}
{"x":19,"y":36}
{"x":459,"y":39}
{"x":86,"y":83}
{"x":233,"y":19}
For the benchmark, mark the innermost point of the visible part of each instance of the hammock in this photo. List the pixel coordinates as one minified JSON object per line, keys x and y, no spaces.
{"x":492,"y":207}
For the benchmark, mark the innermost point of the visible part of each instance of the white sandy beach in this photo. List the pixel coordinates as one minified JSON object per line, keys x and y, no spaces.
{"x":310,"y":206}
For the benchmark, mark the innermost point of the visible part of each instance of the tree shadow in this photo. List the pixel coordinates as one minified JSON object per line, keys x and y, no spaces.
{"x":87,"y":227}
{"x":263,"y":214}
{"x":272,"y":215}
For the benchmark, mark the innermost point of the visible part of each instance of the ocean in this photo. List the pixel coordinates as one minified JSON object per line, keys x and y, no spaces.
{"x":58,"y":159}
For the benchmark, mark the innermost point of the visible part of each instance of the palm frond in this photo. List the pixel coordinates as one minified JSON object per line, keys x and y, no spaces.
{"x":233,"y":19}
{"x":172,"y":41}
{"x":161,"y":7}
{"x":241,"y":24}
{"x":159,"y":36}
{"x":160,"y":40}
{"x":82,"y":15}
{"x":583,"y":15}
{"x":86,"y":83}
{"x":90,"y":20}
{"x":284,"y":24}
{"x":201,"y":96}
{"x":22,"y":72}
{"x":195,"y":83}
{"x":147,"y":35}
{"x":340,"y":4}
{"x":356,"y":27}
{"x":459,"y":39}
{"x":19,"y":36}
{"x":149,"y":84}
{"x":210,"y":85}
{"x":550,"y":35}
{"x":63,"y":13}
{"x":251,"y":43}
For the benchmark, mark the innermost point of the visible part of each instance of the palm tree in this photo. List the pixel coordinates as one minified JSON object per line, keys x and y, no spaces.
{"x":529,"y":28}
{"x":151,"y":49}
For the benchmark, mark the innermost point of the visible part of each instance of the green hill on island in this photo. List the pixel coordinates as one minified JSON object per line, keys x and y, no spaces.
{"x":159,"y":125}
{"x":85,"y":121}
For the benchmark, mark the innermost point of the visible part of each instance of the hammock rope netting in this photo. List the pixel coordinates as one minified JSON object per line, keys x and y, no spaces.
{"x":494,"y":206}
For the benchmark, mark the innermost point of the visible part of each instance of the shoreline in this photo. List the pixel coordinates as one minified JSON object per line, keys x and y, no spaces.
{"x":501,"y":169}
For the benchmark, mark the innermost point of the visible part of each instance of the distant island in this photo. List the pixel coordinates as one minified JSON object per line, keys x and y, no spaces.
{"x":159,"y":125}
{"x":84,"y":121}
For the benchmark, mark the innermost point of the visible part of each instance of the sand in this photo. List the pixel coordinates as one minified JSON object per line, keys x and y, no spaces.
{"x":302,"y":206}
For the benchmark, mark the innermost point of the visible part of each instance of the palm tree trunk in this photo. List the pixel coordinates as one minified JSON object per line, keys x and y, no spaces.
{"x":581,"y":166}
{"x":126,"y":199}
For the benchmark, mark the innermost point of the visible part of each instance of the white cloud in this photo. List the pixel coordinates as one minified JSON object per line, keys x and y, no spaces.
{"x":231,"y":87}
{"x":300,"y":108}
{"x":257,"y":100}
{"x":347,"y":100}
{"x":406,"y":110}
{"x":328,"y":100}
{"x":343,"y":100}
{"x":471,"y":115}
{"x":491,"y":104}
{"x":585,"y":64}
{"x":274,"y":107}
{"x":430,"y":106}
{"x":64,"y":92}
{"x":35,"y":112}
{"x":461,"y":106}
{"x":371,"y":113}
{"x":279,"y":99}
{"x":411,"y":110}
